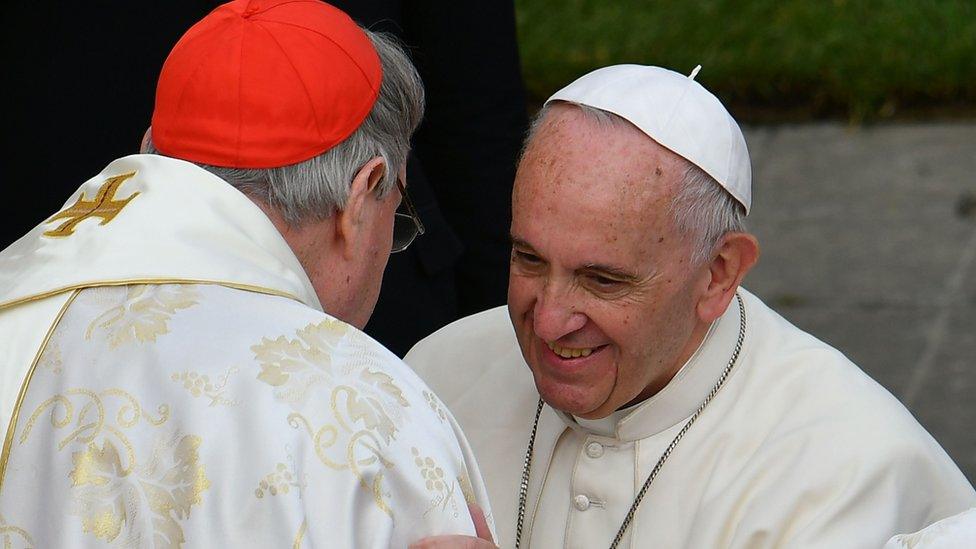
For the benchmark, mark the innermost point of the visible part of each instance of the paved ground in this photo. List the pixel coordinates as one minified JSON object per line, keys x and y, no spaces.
{"x":869,"y":242}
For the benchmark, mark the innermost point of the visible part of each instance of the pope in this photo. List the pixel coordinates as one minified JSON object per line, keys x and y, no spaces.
{"x":182,"y":361}
{"x":632,"y":393}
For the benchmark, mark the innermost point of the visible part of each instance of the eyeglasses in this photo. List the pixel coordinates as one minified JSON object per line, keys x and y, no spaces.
{"x":406,"y":226}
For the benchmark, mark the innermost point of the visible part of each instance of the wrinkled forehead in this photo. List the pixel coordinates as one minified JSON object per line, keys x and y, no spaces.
{"x":580,"y":174}
{"x":584,"y":150}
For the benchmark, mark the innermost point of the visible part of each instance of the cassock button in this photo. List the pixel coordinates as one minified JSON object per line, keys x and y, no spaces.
{"x":581,"y":502}
{"x":594,"y":450}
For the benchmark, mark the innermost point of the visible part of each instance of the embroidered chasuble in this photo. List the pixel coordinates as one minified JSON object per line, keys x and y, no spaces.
{"x":798,"y":449}
{"x":168,"y":379}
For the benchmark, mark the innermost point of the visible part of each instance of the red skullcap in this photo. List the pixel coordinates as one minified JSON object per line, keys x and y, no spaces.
{"x":262,"y":84}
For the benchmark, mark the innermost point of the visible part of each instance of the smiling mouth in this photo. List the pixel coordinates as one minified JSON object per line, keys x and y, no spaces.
{"x":570,"y":352}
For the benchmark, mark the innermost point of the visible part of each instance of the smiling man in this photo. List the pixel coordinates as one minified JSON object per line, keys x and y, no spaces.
{"x":632,"y":393}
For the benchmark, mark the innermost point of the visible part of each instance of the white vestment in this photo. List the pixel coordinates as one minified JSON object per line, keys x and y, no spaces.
{"x":798,"y":449}
{"x":955,"y":532}
{"x":168,"y":379}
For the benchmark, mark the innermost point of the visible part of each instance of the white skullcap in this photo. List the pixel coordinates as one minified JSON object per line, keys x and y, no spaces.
{"x":675,"y":111}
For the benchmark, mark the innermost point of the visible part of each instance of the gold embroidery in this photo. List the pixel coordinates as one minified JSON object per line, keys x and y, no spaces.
{"x":362,"y":449}
{"x":9,"y":438}
{"x":467,"y":490}
{"x":366,"y":404}
{"x":435,"y":405}
{"x":116,"y":495}
{"x":9,"y":534}
{"x":51,"y":360}
{"x":300,"y":536}
{"x":129,"y":413}
{"x":111,"y":500}
{"x":433,"y":476}
{"x":332,"y":353}
{"x":295,"y":365}
{"x":103,"y":206}
{"x":278,"y":482}
{"x":200,"y":385}
{"x":135,"y":281}
{"x":144,"y":314}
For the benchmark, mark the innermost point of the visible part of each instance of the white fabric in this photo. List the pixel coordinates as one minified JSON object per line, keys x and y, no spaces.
{"x":675,"y":111}
{"x":206,"y":414}
{"x":799,"y":448}
{"x":955,"y":532}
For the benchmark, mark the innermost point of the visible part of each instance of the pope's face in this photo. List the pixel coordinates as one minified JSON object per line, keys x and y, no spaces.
{"x":601,"y":292}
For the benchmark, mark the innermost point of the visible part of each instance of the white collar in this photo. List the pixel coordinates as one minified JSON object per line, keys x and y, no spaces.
{"x":681,"y":396}
{"x":184,"y":225}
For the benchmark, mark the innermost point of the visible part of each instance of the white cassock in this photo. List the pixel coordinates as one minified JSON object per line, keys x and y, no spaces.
{"x":798,"y":449}
{"x":168,"y":379}
{"x":955,"y":532}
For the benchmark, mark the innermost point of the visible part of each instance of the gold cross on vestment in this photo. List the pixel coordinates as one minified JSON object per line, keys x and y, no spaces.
{"x":104,"y":206}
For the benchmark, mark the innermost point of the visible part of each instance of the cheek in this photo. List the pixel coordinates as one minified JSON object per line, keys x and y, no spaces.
{"x":521,"y":291}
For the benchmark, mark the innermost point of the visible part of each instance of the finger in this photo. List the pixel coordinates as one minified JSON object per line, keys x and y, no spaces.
{"x":453,"y":542}
{"x":480,"y":524}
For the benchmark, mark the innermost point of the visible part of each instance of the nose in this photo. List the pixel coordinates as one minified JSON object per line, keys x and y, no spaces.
{"x":555,"y":314}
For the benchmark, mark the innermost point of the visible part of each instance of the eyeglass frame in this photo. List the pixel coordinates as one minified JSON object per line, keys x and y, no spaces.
{"x":411,"y":213}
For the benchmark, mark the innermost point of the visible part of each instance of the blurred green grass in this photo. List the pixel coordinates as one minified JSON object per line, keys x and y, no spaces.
{"x":767,"y":59}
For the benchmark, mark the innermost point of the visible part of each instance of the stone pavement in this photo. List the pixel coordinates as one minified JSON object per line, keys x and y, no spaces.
{"x":869,"y":242}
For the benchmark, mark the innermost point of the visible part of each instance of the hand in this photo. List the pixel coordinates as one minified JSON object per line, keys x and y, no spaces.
{"x":483,"y":541}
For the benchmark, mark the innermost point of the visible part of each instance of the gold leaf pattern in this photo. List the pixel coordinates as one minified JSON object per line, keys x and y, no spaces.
{"x":294,"y":366}
{"x":367,"y":405}
{"x":119,"y":498}
{"x":145,"y":314}
{"x":200,"y":385}
{"x":112,"y":503}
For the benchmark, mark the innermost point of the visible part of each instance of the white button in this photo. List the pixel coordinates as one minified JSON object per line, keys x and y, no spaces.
{"x":581,"y":502}
{"x":594,"y":450}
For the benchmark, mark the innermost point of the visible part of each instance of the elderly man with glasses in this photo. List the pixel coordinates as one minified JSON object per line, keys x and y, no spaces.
{"x":182,"y":361}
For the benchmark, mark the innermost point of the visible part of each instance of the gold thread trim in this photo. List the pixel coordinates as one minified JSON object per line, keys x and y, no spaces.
{"x":127,"y":282}
{"x":8,"y":440}
{"x":300,"y":536}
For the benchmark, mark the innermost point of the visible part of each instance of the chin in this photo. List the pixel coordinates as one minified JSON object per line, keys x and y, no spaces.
{"x":567,"y":397}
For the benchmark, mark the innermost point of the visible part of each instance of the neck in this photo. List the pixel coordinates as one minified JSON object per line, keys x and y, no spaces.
{"x":315,"y":245}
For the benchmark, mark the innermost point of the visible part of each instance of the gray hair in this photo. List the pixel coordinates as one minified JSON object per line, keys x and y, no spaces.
{"x":314,"y":189}
{"x":701,"y":208}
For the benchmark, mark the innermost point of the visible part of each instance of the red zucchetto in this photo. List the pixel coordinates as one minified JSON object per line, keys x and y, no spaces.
{"x":261,"y":84}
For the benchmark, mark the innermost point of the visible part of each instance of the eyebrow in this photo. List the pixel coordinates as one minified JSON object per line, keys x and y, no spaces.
{"x":613,"y":271}
{"x":519,"y":243}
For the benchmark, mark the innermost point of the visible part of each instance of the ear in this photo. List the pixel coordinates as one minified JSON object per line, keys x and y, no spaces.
{"x":736,"y":255}
{"x":144,"y":144}
{"x":351,"y":220}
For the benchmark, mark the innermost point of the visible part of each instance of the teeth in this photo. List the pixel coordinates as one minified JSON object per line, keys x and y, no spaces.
{"x":566,"y":352}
